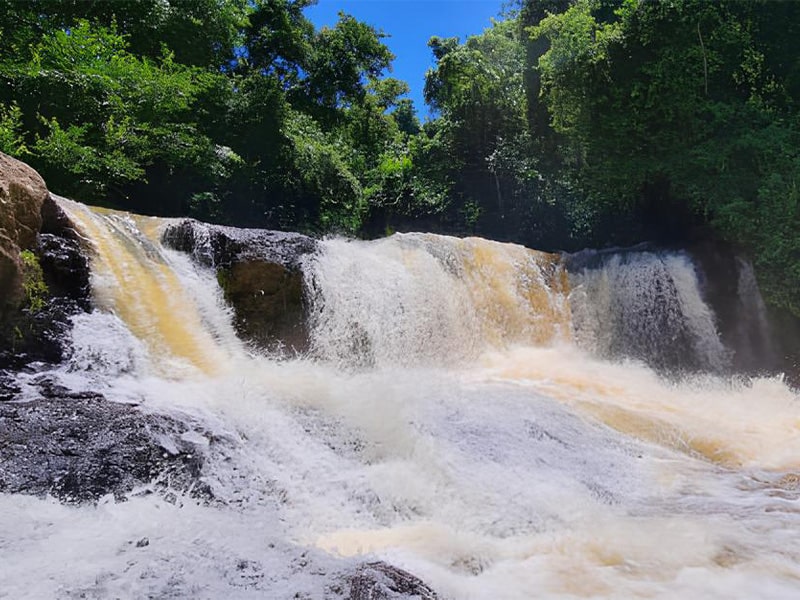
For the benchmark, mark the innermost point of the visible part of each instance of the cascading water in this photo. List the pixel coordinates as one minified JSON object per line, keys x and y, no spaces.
{"x":647,"y":306}
{"x":163,"y":300}
{"x":444,"y":421}
{"x":428,"y":299}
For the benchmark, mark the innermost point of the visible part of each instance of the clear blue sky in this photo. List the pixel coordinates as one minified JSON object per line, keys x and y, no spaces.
{"x":410,"y":23}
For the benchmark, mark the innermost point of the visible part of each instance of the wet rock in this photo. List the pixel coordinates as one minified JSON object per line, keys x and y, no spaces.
{"x":381,"y":581}
{"x":55,"y":221}
{"x":786,"y":328}
{"x":763,"y":339}
{"x":730,"y":289}
{"x":8,"y":386}
{"x":39,"y":336}
{"x":268,"y":301}
{"x":63,"y":259}
{"x":78,"y":447}
{"x":40,"y":332}
{"x":66,"y":269}
{"x":260,"y":275}
{"x":22,"y":193}
{"x":221,"y":246}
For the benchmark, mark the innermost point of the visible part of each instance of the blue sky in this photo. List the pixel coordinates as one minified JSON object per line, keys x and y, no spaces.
{"x":410,"y":23}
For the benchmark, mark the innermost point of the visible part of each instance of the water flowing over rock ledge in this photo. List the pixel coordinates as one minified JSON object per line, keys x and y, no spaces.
{"x":680,"y":311}
{"x":79,"y":447}
{"x":367,"y":460}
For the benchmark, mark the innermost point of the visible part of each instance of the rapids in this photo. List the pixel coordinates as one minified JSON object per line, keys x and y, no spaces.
{"x":482,"y":415}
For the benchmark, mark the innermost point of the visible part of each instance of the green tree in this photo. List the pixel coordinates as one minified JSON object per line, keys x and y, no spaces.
{"x":99,"y":120}
{"x":477,"y":89}
{"x":685,"y":115}
{"x":197,"y":32}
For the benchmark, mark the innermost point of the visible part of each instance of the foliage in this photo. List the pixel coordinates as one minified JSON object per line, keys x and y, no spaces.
{"x":12,"y":139}
{"x":321,"y":170}
{"x":33,"y":284}
{"x":100,"y":119}
{"x":197,"y":32}
{"x":477,"y":87}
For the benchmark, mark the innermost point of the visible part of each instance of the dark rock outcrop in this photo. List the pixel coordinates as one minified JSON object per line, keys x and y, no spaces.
{"x":786,"y":330}
{"x":79,"y":447}
{"x":9,"y":388}
{"x":260,"y":274}
{"x":66,"y":269}
{"x":729,"y":287}
{"x":63,"y":259}
{"x":381,"y":581}
{"x":763,"y":339}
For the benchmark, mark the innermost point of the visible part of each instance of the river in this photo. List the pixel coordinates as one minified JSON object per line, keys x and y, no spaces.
{"x":476,"y":413}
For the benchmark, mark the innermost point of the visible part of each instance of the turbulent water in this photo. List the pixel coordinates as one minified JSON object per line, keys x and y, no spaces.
{"x":467,"y":411}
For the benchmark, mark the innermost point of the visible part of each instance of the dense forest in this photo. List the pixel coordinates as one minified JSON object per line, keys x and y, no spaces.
{"x":567,"y":123}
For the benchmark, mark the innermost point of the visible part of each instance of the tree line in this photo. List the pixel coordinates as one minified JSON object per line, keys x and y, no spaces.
{"x":566,"y":123}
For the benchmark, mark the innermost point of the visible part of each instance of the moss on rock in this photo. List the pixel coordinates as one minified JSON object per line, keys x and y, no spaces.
{"x":33,"y":284}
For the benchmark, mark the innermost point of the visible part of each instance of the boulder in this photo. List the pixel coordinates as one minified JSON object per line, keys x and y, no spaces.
{"x":60,"y":273}
{"x":22,"y":194}
{"x":382,"y":581}
{"x":260,"y":275}
{"x":268,"y":301}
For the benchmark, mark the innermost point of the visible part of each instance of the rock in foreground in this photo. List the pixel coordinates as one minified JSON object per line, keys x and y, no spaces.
{"x":22,"y":193}
{"x":381,"y":581}
{"x":79,"y":447}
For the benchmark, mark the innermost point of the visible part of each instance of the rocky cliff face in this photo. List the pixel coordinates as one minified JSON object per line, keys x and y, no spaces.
{"x":22,"y":194}
{"x":46,"y":281}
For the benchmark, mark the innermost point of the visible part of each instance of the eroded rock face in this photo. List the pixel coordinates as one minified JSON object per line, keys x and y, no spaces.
{"x":381,"y":581}
{"x":41,"y":333}
{"x":268,"y":300}
{"x":79,"y":447}
{"x":259,"y":272}
{"x":22,"y":193}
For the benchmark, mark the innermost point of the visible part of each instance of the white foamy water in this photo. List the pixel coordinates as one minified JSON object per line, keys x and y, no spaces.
{"x":648,"y":306}
{"x":444,"y":423}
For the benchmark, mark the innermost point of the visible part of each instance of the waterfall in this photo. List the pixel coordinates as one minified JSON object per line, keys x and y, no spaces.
{"x":424,"y":299}
{"x":494,"y":420}
{"x":752,"y":338}
{"x":647,"y":306}
{"x":429,"y":299}
{"x":162,"y":299}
